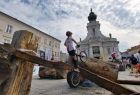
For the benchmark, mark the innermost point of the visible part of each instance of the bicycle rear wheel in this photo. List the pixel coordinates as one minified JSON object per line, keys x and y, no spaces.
{"x":73,"y":79}
{"x":83,"y":56}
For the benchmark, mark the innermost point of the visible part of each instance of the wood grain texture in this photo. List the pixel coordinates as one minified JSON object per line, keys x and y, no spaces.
{"x":114,"y":87}
{"x":19,"y":82}
{"x":101,"y":68}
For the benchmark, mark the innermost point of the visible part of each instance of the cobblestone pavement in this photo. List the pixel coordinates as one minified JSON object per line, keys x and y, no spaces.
{"x":60,"y":87}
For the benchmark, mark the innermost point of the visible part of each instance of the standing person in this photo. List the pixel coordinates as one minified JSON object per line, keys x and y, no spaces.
{"x":70,"y":48}
{"x":133,"y":62}
{"x":113,"y":55}
{"x":137,"y":55}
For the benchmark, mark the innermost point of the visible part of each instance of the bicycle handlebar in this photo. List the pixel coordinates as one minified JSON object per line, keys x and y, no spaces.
{"x":77,"y":46}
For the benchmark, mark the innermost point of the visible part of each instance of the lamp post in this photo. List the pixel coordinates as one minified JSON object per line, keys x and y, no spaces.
{"x":88,"y":48}
{"x":52,"y":53}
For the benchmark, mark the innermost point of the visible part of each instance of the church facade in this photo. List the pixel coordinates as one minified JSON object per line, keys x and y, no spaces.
{"x":96,"y":44}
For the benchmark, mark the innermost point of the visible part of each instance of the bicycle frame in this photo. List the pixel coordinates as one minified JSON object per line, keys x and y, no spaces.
{"x":79,"y":53}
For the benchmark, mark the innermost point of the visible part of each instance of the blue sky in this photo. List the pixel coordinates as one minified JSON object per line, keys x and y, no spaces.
{"x":121,"y":18}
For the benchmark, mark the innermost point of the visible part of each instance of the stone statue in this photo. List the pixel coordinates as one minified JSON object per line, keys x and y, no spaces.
{"x":92,"y":16}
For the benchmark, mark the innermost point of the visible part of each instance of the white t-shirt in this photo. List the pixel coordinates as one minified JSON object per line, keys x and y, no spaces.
{"x":137,"y":55}
{"x":69,"y":44}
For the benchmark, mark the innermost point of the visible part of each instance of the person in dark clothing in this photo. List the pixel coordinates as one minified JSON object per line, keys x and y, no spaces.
{"x":133,"y":62}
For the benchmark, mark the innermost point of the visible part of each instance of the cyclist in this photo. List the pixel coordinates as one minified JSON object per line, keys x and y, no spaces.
{"x":70,"y":48}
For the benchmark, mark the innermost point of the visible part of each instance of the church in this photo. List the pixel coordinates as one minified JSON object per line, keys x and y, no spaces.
{"x":96,"y":44}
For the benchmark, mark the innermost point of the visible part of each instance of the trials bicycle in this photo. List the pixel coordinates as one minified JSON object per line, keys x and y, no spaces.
{"x":73,"y":77}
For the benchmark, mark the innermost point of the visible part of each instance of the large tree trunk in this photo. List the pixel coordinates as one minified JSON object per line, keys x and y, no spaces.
{"x":19,"y":82}
{"x":101,"y":68}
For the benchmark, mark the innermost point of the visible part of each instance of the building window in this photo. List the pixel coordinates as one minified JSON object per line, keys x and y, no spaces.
{"x":95,"y":50}
{"x":58,"y":45}
{"x":45,"y":41}
{"x":55,"y":45}
{"x":58,"y":54}
{"x":42,"y":54}
{"x":9,"y":29}
{"x":55,"y":53}
{"x":6,"y":41}
{"x":50,"y":43}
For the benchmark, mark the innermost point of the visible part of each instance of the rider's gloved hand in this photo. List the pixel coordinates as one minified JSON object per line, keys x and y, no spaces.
{"x":78,"y":46}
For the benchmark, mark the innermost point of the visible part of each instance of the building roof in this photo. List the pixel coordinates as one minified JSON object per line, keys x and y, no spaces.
{"x":134,"y":48}
{"x":28,"y":25}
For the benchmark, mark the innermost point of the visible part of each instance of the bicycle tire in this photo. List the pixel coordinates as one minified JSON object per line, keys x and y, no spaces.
{"x":83,"y":56}
{"x":70,"y":79}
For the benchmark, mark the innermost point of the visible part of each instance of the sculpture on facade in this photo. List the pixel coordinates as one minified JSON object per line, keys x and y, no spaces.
{"x":92,"y":16}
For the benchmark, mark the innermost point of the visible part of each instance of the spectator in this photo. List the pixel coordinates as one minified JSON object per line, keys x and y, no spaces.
{"x":113,"y":55}
{"x":137,"y":55}
{"x":133,"y":62}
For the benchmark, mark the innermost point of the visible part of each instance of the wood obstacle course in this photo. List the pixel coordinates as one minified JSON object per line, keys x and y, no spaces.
{"x":17,"y":61}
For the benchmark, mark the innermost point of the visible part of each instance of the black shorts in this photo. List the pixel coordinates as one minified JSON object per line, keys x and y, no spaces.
{"x":71,"y":53}
{"x":134,"y":63}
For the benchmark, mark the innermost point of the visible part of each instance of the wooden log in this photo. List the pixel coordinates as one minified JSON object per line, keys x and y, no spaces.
{"x":53,"y":73}
{"x":101,"y":68}
{"x":40,"y":61}
{"x":53,"y":69}
{"x":5,"y":67}
{"x":4,"y":71}
{"x":19,"y":82}
{"x":114,"y":87}
{"x":133,"y":82}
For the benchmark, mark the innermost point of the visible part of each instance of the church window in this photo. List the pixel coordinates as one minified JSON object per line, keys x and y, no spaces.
{"x":95,"y":50}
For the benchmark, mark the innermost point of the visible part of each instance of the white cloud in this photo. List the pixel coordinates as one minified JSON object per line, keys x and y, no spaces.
{"x":133,"y":5}
{"x":59,"y":28}
{"x":55,"y":17}
{"x":126,"y":37}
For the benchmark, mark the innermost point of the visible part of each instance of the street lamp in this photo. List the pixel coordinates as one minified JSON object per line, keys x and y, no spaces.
{"x":52,"y":53}
{"x":89,"y":47}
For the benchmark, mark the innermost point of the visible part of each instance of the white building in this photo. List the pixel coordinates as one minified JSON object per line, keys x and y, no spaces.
{"x":96,"y":44}
{"x":48,"y":46}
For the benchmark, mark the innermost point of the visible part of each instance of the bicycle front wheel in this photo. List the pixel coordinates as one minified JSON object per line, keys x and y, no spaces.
{"x":83,"y":56}
{"x":73,"y":79}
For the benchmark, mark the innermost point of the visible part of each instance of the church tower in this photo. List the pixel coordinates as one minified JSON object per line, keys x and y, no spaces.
{"x":96,"y":44}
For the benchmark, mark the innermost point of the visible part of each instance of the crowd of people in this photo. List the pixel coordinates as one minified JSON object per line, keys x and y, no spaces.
{"x":132,"y":62}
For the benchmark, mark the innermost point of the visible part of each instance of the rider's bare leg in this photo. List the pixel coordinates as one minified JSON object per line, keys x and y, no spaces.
{"x":75,"y":64}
